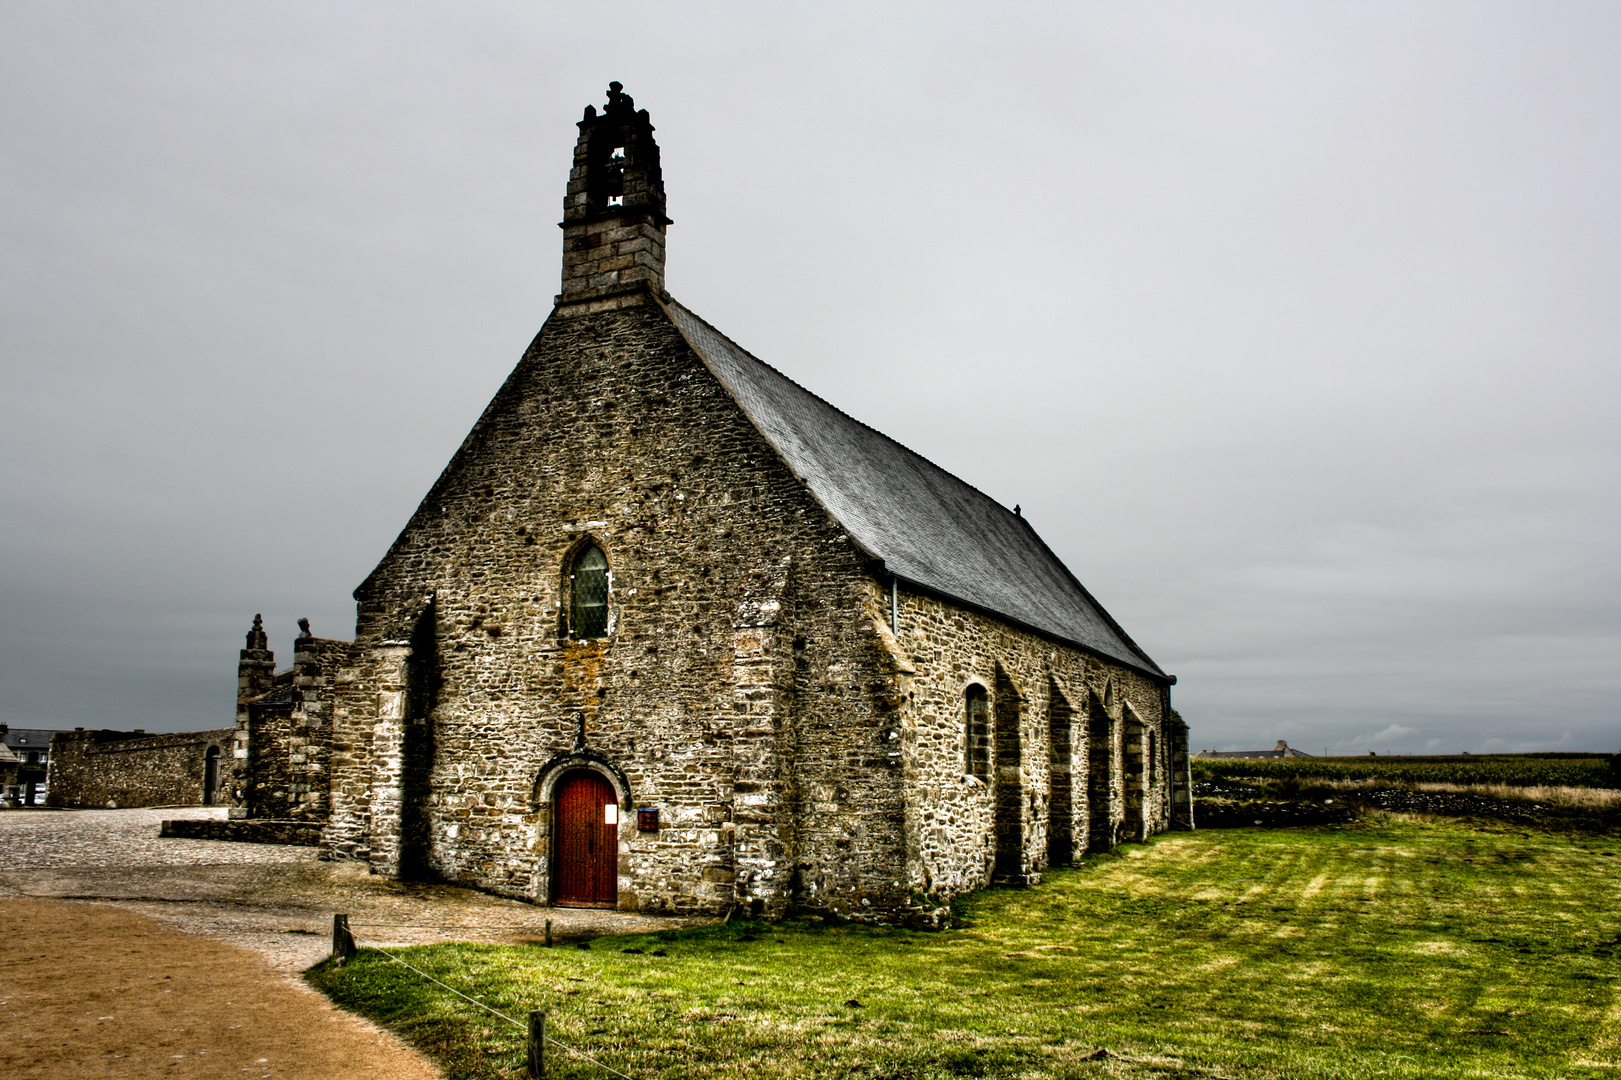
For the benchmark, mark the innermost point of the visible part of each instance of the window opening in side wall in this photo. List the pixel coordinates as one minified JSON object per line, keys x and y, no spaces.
{"x":977,"y":733}
{"x":588,"y":594}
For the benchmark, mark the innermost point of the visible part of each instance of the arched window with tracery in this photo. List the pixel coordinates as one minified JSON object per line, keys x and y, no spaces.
{"x":588,"y":594}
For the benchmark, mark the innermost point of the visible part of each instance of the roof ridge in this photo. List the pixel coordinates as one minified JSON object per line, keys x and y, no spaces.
{"x":859,"y":423}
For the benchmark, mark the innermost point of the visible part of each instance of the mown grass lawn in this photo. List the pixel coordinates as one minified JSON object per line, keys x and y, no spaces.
{"x":1372,"y":950}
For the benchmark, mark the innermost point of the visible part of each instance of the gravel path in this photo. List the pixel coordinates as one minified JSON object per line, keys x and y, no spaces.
{"x":278,"y":901}
{"x":58,"y":839}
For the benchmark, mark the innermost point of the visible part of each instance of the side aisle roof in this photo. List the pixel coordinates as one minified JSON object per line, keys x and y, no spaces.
{"x":929,"y":528}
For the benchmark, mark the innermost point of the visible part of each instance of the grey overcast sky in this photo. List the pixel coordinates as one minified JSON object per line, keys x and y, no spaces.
{"x":1295,"y":328}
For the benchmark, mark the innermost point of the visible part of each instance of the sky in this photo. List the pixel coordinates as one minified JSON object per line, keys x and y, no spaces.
{"x":1295,"y":328}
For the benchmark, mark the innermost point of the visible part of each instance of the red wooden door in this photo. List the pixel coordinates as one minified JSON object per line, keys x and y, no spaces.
{"x":587,"y":860}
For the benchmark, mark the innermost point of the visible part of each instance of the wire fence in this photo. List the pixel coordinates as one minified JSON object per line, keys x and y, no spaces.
{"x":345,"y":946}
{"x":513,"y":928}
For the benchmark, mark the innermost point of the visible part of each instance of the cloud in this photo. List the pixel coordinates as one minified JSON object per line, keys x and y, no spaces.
{"x":1393,"y":733}
{"x":1315,"y":389}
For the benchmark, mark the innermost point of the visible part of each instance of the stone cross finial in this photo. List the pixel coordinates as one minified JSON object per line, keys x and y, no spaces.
{"x":257,"y":639}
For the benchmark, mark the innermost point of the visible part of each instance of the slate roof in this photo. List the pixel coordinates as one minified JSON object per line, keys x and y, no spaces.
{"x":929,"y":528}
{"x":29,"y":738}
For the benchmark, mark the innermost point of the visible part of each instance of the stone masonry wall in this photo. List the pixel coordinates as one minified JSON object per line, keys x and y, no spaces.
{"x":951,"y":816}
{"x":361,"y":690}
{"x":265,"y":742}
{"x":289,"y":735}
{"x":735,"y":691}
{"x":105,"y":769}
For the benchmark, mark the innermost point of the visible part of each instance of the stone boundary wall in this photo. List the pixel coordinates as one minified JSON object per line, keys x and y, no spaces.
{"x":115,"y":769}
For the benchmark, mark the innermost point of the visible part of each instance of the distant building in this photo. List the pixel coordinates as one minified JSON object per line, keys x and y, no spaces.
{"x":1283,"y":749}
{"x":32,"y":749}
{"x":31,"y":745}
{"x":8,"y":776}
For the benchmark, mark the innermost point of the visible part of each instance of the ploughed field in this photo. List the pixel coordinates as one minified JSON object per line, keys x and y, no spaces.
{"x":1380,"y":948}
{"x":1569,"y":793}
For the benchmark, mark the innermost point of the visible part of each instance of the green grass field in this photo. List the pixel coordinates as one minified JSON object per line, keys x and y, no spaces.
{"x":1381,"y":949}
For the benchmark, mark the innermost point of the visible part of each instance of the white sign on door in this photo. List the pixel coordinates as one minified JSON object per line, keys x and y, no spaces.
{"x":610,"y":814}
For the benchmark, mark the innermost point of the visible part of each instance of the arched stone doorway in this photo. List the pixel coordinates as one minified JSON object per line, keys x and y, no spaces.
{"x":585,"y":864}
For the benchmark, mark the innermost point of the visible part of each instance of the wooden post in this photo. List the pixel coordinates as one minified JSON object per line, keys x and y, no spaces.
{"x":537,"y":1045}
{"x":343,"y":942}
{"x":548,"y":933}
{"x":1191,"y":823}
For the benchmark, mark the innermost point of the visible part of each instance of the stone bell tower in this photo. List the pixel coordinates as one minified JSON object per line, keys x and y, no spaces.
{"x":613,"y":215}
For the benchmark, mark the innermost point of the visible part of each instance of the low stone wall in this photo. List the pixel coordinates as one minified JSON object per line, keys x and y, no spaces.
{"x":246,"y":831}
{"x":113,"y":769}
{"x":1272,"y":814}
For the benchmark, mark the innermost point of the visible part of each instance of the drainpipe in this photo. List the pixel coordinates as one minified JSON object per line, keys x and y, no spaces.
{"x":894,"y":605}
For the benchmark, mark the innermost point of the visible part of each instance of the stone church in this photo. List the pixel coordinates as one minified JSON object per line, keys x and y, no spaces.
{"x":670,"y":633}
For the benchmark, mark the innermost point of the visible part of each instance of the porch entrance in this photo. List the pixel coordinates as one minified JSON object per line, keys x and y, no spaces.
{"x":586,"y":862}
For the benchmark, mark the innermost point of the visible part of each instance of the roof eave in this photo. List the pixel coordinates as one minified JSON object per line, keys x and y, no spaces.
{"x":1152,"y":671}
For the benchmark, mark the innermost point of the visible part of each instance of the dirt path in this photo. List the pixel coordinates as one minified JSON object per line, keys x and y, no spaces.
{"x":87,"y":990}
